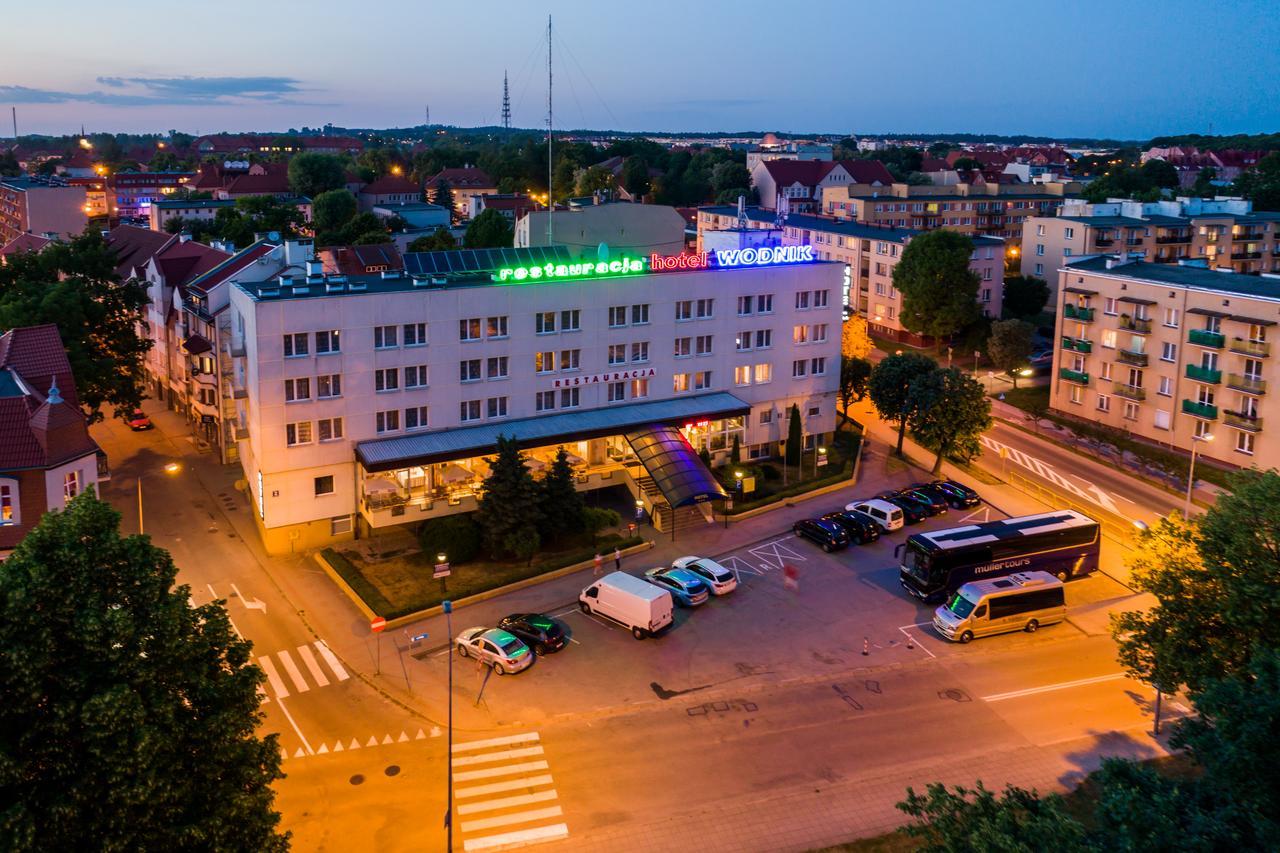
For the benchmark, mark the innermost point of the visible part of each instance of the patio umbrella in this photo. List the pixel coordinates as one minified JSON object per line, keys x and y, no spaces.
{"x":379,"y":484}
{"x":534,"y":463}
{"x":573,"y":458}
{"x":454,"y":473}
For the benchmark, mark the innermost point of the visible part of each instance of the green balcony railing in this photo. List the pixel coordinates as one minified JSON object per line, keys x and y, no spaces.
{"x":1075,"y":312}
{"x":1240,"y":420}
{"x":1137,"y":359}
{"x":1133,"y":392}
{"x":1135,"y":324}
{"x":1261,"y":349}
{"x":1207,"y":411}
{"x":1248,"y":384}
{"x":1206,"y":338}
{"x":1204,"y":374}
{"x":1077,"y":344}
{"x":1074,"y":376}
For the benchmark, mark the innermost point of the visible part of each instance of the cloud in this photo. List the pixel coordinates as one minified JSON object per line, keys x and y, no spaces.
{"x":167,"y":91}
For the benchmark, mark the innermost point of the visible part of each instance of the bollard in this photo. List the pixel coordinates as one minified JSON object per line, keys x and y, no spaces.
{"x":866,"y":646}
{"x":911,"y":641}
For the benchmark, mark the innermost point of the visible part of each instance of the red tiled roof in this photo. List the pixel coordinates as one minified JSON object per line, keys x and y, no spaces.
{"x":258,"y":185}
{"x":811,"y":172}
{"x":197,"y":345}
{"x":37,"y":354}
{"x":389,"y":184}
{"x":35,"y":432}
{"x":866,"y":171}
{"x":134,"y":246}
{"x":181,"y":262}
{"x":466,"y":177}
{"x":25,"y":243}
{"x":360,"y":260}
{"x":988,"y":159}
{"x":229,"y":268}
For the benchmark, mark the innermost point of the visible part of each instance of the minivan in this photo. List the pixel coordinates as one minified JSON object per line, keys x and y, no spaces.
{"x":636,"y":605}
{"x":1020,"y":602}
{"x":886,"y":515}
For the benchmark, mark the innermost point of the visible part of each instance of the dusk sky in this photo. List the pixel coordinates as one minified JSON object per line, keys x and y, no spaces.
{"x":1128,"y":69}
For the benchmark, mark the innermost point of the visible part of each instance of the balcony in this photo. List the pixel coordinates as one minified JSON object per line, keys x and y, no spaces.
{"x":1173,"y":238}
{"x":1242,"y":420}
{"x":1134,"y":241}
{"x":1207,"y":411}
{"x":1132,"y":392}
{"x":1075,"y":312}
{"x":1103,"y":242}
{"x":1245,"y":256}
{"x":1075,"y":376}
{"x":1135,"y":324}
{"x":1137,"y":359}
{"x":1255,"y":236}
{"x":1206,"y":338}
{"x":1204,"y":374}
{"x":1247,"y":384}
{"x":1258,"y":349}
{"x":1077,"y":344}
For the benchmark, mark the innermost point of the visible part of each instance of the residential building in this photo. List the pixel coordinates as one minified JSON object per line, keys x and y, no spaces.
{"x":195,"y":210}
{"x":130,"y":194}
{"x":360,"y":260}
{"x":46,"y":456}
{"x":1170,"y":353}
{"x":803,"y":182}
{"x":49,"y":207}
{"x":1189,"y":161}
{"x":628,"y":229}
{"x":510,"y":205}
{"x":389,"y":189}
{"x":788,"y":151}
{"x":420,"y":215}
{"x":366,"y":402}
{"x":24,"y":243}
{"x":224,"y":143}
{"x":466,"y":182}
{"x":134,"y":247}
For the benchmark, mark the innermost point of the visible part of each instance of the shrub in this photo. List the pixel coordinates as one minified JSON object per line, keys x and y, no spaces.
{"x":456,"y":536}
{"x":595,"y":519}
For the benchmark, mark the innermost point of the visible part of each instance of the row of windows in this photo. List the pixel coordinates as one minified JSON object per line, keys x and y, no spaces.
{"x":1163,"y":419}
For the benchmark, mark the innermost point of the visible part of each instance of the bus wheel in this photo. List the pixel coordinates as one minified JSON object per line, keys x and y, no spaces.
{"x":966,"y":637}
{"x":1032,"y":626}
{"x":1062,"y":576}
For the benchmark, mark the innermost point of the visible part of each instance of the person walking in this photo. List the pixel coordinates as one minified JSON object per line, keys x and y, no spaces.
{"x":599,"y":563}
{"x":791,"y":577}
{"x":617,"y":560}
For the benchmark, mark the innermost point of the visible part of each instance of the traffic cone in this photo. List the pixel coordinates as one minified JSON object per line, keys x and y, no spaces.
{"x":866,"y":646}
{"x":911,"y":641}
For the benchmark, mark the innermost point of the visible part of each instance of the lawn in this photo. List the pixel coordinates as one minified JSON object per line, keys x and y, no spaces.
{"x":769,"y":486}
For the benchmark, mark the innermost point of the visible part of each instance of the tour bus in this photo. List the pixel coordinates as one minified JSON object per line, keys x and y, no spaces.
{"x":1063,"y":543}
{"x":1023,"y":601}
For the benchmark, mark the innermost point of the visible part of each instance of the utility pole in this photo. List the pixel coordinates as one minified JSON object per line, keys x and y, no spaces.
{"x":506,"y":103}
{"x":549,"y":127}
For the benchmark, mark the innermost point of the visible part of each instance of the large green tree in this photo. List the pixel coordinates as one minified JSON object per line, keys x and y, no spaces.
{"x":855,"y":380}
{"x":559,"y":501}
{"x":438,"y":241}
{"x":489,"y":230}
{"x":961,"y":820}
{"x":949,"y":410}
{"x":1010,"y":346}
{"x":890,"y":387}
{"x":635,"y":176}
{"x":593,"y":178}
{"x":312,"y":173}
{"x":1024,"y":296}
{"x":508,"y":512}
{"x":939,"y":291}
{"x":333,"y":209}
{"x":73,"y":285}
{"x":128,"y":716}
{"x":1261,"y":184}
{"x":443,"y":195}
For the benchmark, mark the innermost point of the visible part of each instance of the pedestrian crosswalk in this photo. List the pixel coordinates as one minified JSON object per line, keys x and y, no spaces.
{"x":296,"y":679}
{"x":502,"y":798}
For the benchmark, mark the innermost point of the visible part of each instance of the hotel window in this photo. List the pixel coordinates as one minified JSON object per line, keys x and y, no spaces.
{"x":469,"y":370}
{"x":328,"y":342}
{"x":1166,"y":386}
{"x":570,"y":359}
{"x":617,"y":353}
{"x":802,"y":300}
{"x":766,"y":416}
{"x":1171,"y":317}
{"x":569,"y":398}
{"x":1109,"y":306}
{"x":742,"y":375}
{"x":683,"y":347}
{"x":544,"y":362}
{"x":763,"y":373}
{"x":821,"y":298}
{"x":702,"y":380}
{"x":388,"y":421}
{"x":298,"y":433}
{"x":1104,"y":403}
{"x":742,"y":342}
{"x":679,"y":383}
{"x":818,"y":366}
{"x":544,"y":401}
{"x":415,"y":376}
{"x":684,"y":310}
{"x":415,"y":334}
{"x":329,"y":385}
{"x":295,"y":346}
{"x":639,"y":389}
{"x":469,"y":410}
{"x":764,"y":303}
{"x":384,"y":337}
{"x":71,"y":484}
{"x":764,"y":338}
{"x":329,"y":429}
{"x":1109,"y":338}
{"x":388,"y":379}
{"x":800,"y":334}
{"x":617,"y":316}
{"x":639,"y":314}
{"x":297,"y":390}
{"x":639,"y":352}
{"x":617,"y":392}
{"x":497,"y":367}
{"x":1244,"y":442}
{"x":495,"y":327}
{"x":544,"y":323}
{"x":571,"y":320}
{"x":818,"y":334}
{"x":702,"y":345}
{"x":1169,"y":352}
{"x":799,"y":368}
{"x":705,"y":308}
{"x":469,"y":330}
{"x":744,"y":306}
{"x":324,"y":485}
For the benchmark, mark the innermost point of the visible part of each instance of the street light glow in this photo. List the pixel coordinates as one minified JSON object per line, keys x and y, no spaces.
{"x":172,"y":468}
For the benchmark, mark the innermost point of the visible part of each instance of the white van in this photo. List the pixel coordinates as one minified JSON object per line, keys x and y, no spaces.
{"x":641,"y":607}
{"x":1021,"y":602}
{"x":888,"y":516}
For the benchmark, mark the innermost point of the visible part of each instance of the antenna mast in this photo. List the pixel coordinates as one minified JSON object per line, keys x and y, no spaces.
{"x":506,"y":103}
{"x":549,"y":126}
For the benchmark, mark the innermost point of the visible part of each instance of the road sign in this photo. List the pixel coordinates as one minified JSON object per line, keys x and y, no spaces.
{"x":418,"y":638}
{"x":441,"y":570}
{"x":378,"y":625}
{"x":631,"y":528}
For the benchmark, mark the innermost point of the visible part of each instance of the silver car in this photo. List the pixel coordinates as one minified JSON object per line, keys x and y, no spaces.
{"x":502,"y":651}
{"x":720,"y":580}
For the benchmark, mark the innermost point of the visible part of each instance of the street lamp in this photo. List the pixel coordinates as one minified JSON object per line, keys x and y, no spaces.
{"x":170,"y":468}
{"x":1191,"y":474}
{"x":818,"y":452}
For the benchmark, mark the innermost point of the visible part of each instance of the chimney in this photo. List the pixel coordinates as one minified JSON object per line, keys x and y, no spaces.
{"x":184,"y":237}
{"x":315,"y":269}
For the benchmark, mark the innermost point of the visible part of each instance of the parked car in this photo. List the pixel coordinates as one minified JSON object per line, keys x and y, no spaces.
{"x":642,"y":608}
{"x":956,"y":495}
{"x":138,"y":421}
{"x":539,"y":632}
{"x":933,"y":504}
{"x":718,"y":579}
{"x":861,"y":527}
{"x":913,"y":512}
{"x":685,"y":587}
{"x":501,"y":650}
{"x":828,"y":534}
{"x":889,"y":516}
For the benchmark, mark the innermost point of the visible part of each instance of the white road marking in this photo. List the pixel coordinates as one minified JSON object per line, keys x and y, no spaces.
{"x":914,"y":641}
{"x":507,"y":802}
{"x":508,"y":819}
{"x":518,"y":839}
{"x":499,"y":787}
{"x":249,"y":603}
{"x":1048,"y":688}
{"x":295,"y":674}
{"x":313,"y":666}
{"x":506,"y":770}
{"x":298,"y":731}
{"x":497,"y":756}
{"x":565,"y":612}
{"x":277,"y":684}
{"x":331,"y":659}
{"x":496,"y":741}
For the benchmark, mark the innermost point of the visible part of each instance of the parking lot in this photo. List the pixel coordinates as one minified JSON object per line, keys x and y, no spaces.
{"x":847,"y":611}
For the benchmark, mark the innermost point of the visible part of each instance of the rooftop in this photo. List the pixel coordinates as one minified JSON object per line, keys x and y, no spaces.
{"x":846,"y":227}
{"x":1198,"y":278}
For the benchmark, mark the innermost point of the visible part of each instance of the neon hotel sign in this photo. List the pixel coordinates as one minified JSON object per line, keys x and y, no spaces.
{"x":765,"y":256}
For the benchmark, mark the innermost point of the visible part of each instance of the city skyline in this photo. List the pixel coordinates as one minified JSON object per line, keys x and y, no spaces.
{"x":659,"y":72}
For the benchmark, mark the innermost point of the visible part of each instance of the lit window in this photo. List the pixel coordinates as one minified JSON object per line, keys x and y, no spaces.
{"x":297,"y":433}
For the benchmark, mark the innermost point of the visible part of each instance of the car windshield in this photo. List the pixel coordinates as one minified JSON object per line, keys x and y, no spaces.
{"x":960,"y":606}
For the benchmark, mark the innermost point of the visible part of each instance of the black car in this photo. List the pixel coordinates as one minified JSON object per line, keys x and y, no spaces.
{"x":828,"y":534}
{"x":913,"y":512}
{"x":861,"y":527}
{"x":957,"y":495}
{"x":933,"y":504}
{"x":541,"y":633}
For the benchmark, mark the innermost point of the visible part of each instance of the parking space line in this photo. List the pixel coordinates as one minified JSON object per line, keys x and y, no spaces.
{"x":1065,"y":685}
{"x":908,"y":635}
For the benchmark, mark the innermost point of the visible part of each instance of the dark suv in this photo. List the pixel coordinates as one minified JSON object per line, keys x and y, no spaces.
{"x":828,"y":534}
{"x":861,"y":527}
{"x":932,"y":503}
{"x":956,"y":495}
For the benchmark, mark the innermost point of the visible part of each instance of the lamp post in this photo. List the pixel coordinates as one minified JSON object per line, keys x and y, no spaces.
{"x":442,"y":564}
{"x":448,"y":756}
{"x":170,"y":468}
{"x":1191,"y":473}
{"x":977,"y":354}
{"x":818,"y":452}
{"x":737,"y":490}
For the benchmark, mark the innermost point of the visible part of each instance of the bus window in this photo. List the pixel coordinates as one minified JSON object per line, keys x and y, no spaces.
{"x":916,"y":562}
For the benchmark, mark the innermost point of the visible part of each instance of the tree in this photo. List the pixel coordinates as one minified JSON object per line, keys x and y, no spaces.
{"x":1261,"y":184}
{"x":635,"y":177}
{"x":1160,"y":173}
{"x":73,"y":286}
{"x":509,"y":510}
{"x":795,"y":437}
{"x":1204,"y":186}
{"x":890,"y":383}
{"x":1024,"y":296}
{"x":129,"y":716}
{"x":939,"y":291}
{"x":331,"y":210}
{"x":559,"y":501}
{"x":489,"y":230}
{"x":595,"y":519}
{"x":855,"y":376}
{"x":1216,"y":582}
{"x":311,"y":173}
{"x":361,"y":224}
{"x":593,"y":179}
{"x":443,"y":196}
{"x":735,"y":450}
{"x":1010,"y":346}
{"x":729,"y":175}
{"x":455,"y":536}
{"x":939,"y":149}
{"x":370,"y":238}
{"x":439,"y":241}
{"x":855,"y":342}
{"x":522,"y":543}
{"x":949,"y":409}
{"x":9,"y":167}
{"x":964,"y":819}
{"x":964,"y":164}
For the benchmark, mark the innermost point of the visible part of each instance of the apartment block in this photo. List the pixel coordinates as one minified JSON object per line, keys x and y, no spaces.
{"x":1173,"y":353}
{"x":49,"y":207}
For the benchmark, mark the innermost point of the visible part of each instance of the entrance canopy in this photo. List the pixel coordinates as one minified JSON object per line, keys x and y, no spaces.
{"x":676,"y":469}
{"x":389,"y":454}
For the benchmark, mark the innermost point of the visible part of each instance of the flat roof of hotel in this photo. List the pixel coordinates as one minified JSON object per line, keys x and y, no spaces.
{"x":1196,"y":277}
